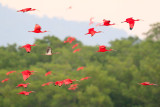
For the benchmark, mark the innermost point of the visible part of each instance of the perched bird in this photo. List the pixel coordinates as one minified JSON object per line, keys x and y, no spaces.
{"x":67,"y":81}
{"x":102,"y":48}
{"x":60,"y":83}
{"x":92,"y":32}
{"x":4,"y":80}
{"x":75,"y":45}
{"x":85,"y":78}
{"x":37,"y":29}
{"x":49,"y":51}
{"x":131,"y":22}
{"x":25,"y":93}
{"x":10,"y":72}
{"x":146,"y":83}
{"x":70,"y":40}
{"x":80,"y":68}
{"x":26,"y":10}
{"x":48,"y":83}
{"x":23,"y":85}
{"x":26,"y":74}
{"x":91,"y":21}
{"x":28,"y":47}
{"x":76,"y":50}
{"x":48,"y":73}
{"x":106,"y":23}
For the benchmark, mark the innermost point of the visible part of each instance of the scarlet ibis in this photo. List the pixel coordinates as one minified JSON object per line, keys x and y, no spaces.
{"x":74,"y":85}
{"x":48,"y":73}
{"x":48,"y":83}
{"x":75,"y":45}
{"x":67,"y":81}
{"x":25,"y":93}
{"x":146,"y":83}
{"x":72,"y":88}
{"x":107,"y":23}
{"x":70,"y":40}
{"x":85,"y":78}
{"x":23,"y":85}
{"x":4,"y":80}
{"x":26,"y":10}
{"x":76,"y":50}
{"x":10,"y":72}
{"x":91,"y":21}
{"x":102,"y":48}
{"x":131,"y":22}
{"x":28,"y":47}
{"x":92,"y":32}
{"x":37,"y":29}
{"x":60,"y":83}
{"x":49,"y":51}
{"x":80,"y":68}
{"x":26,"y":74}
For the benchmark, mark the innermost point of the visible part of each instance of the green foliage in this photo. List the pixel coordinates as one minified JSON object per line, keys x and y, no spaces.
{"x":114,"y":75}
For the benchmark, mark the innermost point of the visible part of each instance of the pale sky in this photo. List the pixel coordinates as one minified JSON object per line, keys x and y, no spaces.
{"x":82,"y":10}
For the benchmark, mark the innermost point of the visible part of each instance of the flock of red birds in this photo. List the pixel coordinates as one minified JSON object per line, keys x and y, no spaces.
{"x":26,"y":74}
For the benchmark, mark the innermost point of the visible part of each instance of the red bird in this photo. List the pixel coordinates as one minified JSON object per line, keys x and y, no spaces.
{"x":72,"y":88}
{"x":146,"y":83}
{"x":67,"y":81}
{"x":80,"y":68}
{"x":107,"y":23}
{"x":10,"y":72}
{"x":22,"y":85}
{"x":48,"y":83}
{"x":70,"y":40}
{"x":131,"y":22}
{"x":60,"y":83}
{"x":92,"y":31}
{"x":76,"y":50}
{"x":26,"y":10}
{"x":37,"y":29}
{"x":102,"y":48}
{"x":26,"y":74}
{"x":85,"y":78}
{"x":75,"y":45}
{"x":91,"y":21}
{"x":28,"y":47}
{"x":25,"y":93}
{"x":48,"y":73}
{"x":4,"y":80}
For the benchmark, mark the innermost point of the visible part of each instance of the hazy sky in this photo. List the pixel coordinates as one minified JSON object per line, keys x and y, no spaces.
{"x":82,"y":10}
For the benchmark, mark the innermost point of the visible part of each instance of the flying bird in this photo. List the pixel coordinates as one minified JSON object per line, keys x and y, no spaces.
{"x":49,"y":51}
{"x":91,"y":21}
{"x":75,"y":45}
{"x":80,"y":68}
{"x":48,"y":73}
{"x":131,"y":22}
{"x":60,"y":83}
{"x":10,"y":72}
{"x":70,"y":40}
{"x":67,"y":81}
{"x":26,"y":74}
{"x":23,"y":85}
{"x":37,"y":29}
{"x":76,"y":50}
{"x":146,"y":83}
{"x":92,"y":32}
{"x":25,"y":93}
{"x":48,"y":83}
{"x":4,"y":80}
{"x":26,"y":10}
{"x":106,"y":23}
{"x":85,"y":78}
{"x":102,"y":48}
{"x":28,"y":47}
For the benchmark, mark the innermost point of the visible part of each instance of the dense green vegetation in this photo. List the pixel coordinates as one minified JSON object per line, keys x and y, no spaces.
{"x":114,"y":74}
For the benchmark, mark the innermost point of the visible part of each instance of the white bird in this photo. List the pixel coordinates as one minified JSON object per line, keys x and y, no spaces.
{"x":49,"y":51}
